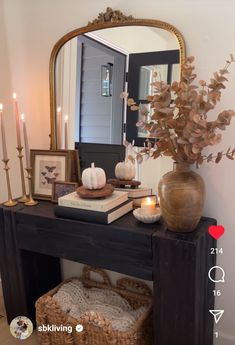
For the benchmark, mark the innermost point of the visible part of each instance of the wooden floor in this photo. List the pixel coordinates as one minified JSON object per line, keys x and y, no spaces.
{"x":5,"y":336}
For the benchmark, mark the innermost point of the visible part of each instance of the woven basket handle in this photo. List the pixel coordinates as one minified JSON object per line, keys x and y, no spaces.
{"x":86,"y":274}
{"x":134,"y":286}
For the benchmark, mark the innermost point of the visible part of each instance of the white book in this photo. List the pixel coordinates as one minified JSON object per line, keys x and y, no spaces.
{"x":136,"y":192}
{"x":102,"y":205}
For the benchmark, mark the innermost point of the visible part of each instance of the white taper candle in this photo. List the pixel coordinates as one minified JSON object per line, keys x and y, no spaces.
{"x":26,"y":143}
{"x":58,"y":127}
{"x":17,"y":117}
{"x":66,"y":132}
{"x":4,"y":145}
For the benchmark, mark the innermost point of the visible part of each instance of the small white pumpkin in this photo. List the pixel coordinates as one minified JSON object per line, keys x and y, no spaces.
{"x":125,"y":171}
{"x":93,"y":178}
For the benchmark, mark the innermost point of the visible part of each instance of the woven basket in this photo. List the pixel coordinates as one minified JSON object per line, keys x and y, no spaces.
{"x":97,"y":330}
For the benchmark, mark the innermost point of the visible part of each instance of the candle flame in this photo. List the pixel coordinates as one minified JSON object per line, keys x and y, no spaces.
{"x":58,"y":109}
{"x":1,"y":106}
{"x":148,"y":201}
{"x":22,"y":117}
{"x":66,"y":117}
{"x":14,"y":95}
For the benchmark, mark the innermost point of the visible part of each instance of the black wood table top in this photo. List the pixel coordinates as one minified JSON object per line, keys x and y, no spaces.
{"x":127,"y":223}
{"x":126,"y":242}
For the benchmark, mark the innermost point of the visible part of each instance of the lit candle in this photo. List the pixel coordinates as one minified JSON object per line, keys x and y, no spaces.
{"x":148,"y":206}
{"x":58,"y":127}
{"x":158,"y":199}
{"x":17,"y":117}
{"x":26,"y":143}
{"x":66,"y":132}
{"x":4,"y":145}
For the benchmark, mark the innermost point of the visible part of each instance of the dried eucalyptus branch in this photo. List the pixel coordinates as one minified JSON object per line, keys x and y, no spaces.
{"x":180,"y":126}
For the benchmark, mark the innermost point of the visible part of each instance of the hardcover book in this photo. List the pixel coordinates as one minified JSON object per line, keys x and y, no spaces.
{"x":94,"y":216}
{"x":102,"y":205}
{"x":136,"y":192}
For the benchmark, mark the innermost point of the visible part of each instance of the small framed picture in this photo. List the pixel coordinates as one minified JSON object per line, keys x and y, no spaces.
{"x":60,"y":188}
{"x":49,"y":166}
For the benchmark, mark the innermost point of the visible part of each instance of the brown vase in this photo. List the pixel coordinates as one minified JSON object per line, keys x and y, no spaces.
{"x":182,"y":194}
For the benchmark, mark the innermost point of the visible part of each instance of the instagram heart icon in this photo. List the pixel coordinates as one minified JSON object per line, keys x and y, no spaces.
{"x":216,"y":231}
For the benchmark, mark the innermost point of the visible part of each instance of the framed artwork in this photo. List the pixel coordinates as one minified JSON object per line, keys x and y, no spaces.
{"x":47,"y":167}
{"x":60,"y":188}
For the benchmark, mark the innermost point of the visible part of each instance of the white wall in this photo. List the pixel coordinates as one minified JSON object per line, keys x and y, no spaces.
{"x":32,"y":27}
{"x":125,"y":38}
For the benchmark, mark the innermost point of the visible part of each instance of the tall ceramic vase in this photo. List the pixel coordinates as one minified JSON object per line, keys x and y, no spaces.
{"x":182,"y":194}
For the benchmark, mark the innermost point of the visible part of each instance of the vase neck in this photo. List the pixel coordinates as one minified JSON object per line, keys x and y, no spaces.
{"x":181,"y":167}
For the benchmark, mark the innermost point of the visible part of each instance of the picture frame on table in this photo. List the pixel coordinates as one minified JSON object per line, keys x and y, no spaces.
{"x":61,"y":188}
{"x":49,"y":166}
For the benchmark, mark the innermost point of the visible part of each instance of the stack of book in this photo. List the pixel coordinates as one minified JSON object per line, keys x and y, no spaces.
{"x":103,"y":211}
{"x":136,"y":194}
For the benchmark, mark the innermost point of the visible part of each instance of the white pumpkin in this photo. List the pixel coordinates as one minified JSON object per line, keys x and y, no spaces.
{"x":125,"y":171}
{"x":93,"y":178}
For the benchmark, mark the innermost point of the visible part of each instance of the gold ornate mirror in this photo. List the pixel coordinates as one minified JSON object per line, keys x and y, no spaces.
{"x":90,"y":98}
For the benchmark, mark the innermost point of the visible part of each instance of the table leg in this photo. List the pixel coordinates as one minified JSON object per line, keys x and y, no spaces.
{"x":25,"y":275}
{"x":182,"y":291}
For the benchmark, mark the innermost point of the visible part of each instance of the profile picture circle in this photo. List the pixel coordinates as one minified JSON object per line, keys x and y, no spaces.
{"x":21,"y":327}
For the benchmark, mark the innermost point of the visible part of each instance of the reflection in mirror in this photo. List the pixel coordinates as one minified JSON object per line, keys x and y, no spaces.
{"x":91,"y":71}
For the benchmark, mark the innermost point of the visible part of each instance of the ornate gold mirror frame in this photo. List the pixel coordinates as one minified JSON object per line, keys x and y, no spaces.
{"x":108,"y":19}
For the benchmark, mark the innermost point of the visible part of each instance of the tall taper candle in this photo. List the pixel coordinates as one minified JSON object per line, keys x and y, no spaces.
{"x":66,"y":132}
{"x":4,"y":145}
{"x":58,"y":127}
{"x":17,"y":116}
{"x":26,"y":143}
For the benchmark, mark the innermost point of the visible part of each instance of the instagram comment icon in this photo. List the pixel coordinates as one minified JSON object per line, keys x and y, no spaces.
{"x":79,"y":328}
{"x":216,"y":274}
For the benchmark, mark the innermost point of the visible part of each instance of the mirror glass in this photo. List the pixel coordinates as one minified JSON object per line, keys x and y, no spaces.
{"x":92,"y":71}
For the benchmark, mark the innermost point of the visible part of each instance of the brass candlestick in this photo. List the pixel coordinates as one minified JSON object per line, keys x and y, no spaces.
{"x":24,"y":197}
{"x":9,"y":202}
{"x":31,"y":201}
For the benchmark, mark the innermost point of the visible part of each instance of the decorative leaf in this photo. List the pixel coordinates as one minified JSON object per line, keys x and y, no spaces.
{"x":124,"y":94}
{"x":219,"y":157}
{"x":210,"y":158}
{"x":229,"y":156}
{"x":223,"y":71}
{"x":130,"y":102}
{"x":167,"y":153}
{"x":202,"y":82}
{"x":135,"y":107}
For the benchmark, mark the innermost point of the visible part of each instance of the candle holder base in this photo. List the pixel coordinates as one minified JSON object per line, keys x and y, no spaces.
{"x":23,"y":199}
{"x":31,"y":202}
{"x":147,"y":219}
{"x":10,"y":203}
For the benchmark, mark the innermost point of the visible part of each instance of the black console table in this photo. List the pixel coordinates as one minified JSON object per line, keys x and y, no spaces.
{"x":32,"y":241}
